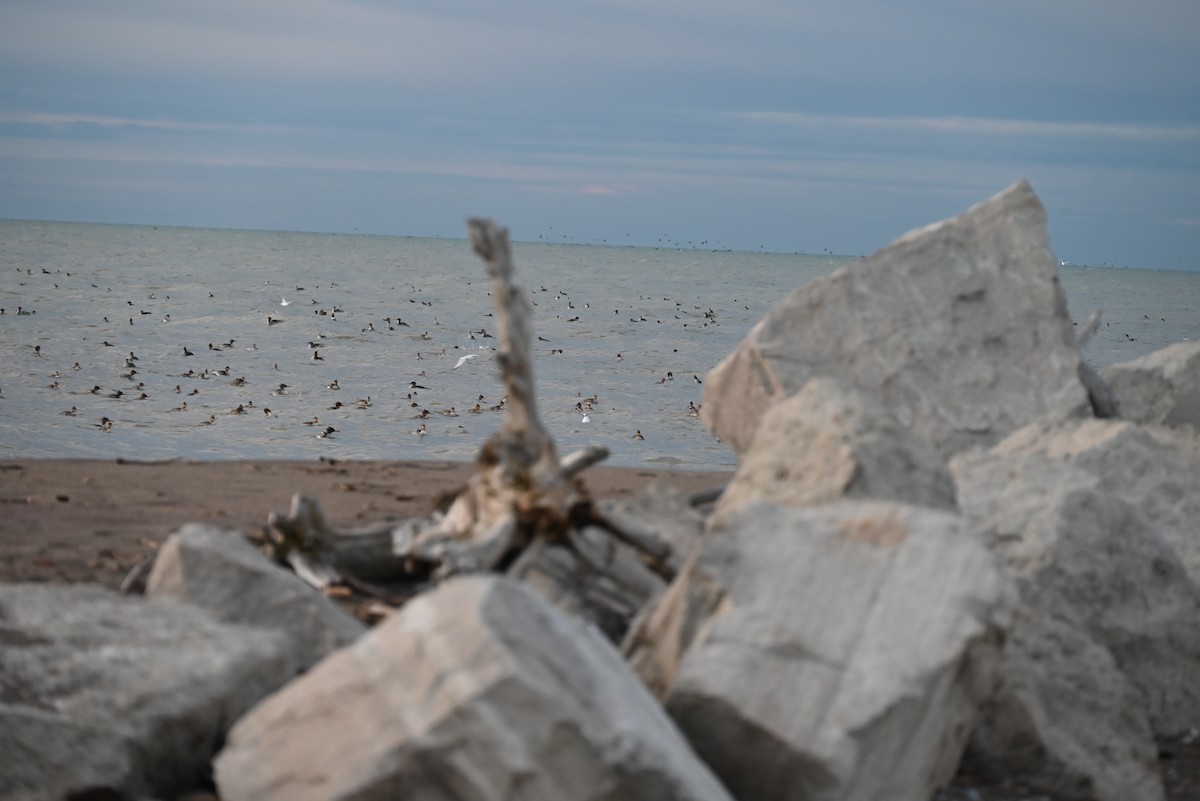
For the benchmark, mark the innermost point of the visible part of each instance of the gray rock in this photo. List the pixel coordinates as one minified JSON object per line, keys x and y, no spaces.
{"x":830,"y":441}
{"x":1163,"y":387}
{"x":1085,"y":516}
{"x":99,"y":690}
{"x":218,"y":570}
{"x":1063,"y":719}
{"x":476,"y":690}
{"x":960,"y":329}
{"x":664,"y":511}
{"x":596,"y":579}
{"x":835,"y":652}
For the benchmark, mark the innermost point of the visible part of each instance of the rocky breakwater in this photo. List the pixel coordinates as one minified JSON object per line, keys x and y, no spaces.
{"x":933,"y":550}
{"x":1082,"y":485}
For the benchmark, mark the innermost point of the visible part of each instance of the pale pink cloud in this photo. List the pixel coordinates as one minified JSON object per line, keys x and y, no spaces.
{"x":608,"y":189}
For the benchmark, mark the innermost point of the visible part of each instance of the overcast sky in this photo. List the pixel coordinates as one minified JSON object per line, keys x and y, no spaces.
{"x":784,"y":125}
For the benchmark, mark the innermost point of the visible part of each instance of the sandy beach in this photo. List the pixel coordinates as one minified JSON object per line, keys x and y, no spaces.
{"x":91,"y":520}
{"x":69,"y":520}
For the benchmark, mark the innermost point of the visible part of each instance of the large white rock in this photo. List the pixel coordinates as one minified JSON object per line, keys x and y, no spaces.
{"x":218,"y":570}
{"x":1163,"y":387}
{"x":835,"y":652}
{"x":102,"y":691}
{"x":477,"y":690}
{"x":1092,"y":518}
{"x":960,"y":329}
{"x":1063,"y":719}
{"x":830,"y":441}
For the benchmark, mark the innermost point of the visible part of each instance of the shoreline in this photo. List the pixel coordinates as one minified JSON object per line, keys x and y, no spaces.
{"x":92,"y":520}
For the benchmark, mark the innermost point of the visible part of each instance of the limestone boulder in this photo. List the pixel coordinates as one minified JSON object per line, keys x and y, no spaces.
{"x":1087,"y":517}
{"x":1063,"y":719}
{"x":476,"y":690}
{"x":960,"y":329}
{"x":102,"y":692}
{"x":1163,"y":387}
{"x":831,"y":441}
{"x":834,"y":652}
{"x":219,"y":570}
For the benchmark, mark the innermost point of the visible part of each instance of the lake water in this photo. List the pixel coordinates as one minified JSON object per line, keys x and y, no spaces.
{"x":634,"y":327}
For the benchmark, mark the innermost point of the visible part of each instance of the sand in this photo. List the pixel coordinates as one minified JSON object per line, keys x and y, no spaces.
{"x":67,"y":520}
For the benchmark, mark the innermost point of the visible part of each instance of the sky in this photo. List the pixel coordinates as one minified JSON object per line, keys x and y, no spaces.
{"x":780,"y":125}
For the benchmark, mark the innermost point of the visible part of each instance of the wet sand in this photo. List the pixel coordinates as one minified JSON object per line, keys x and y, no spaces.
{"x":68,"y":520}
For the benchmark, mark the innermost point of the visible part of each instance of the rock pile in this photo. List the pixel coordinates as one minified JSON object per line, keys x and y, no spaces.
{"x":933,"y":550}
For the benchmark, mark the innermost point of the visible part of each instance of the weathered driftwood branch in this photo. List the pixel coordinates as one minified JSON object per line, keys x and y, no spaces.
{"x":522,"y":510}
{"x":381,"y":552}
{"x":1100,"y":394}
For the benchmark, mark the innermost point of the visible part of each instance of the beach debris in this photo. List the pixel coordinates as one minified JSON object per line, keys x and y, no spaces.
{"x":1100,"y":393}
{"x":477,"y":685}
{"x":959,"y":328}
{"x":110,"y":696}
{"x":1163,"y":387}
{"x":523,"y":511}
{"x":221,"y":571}
{"x":878,"y":618}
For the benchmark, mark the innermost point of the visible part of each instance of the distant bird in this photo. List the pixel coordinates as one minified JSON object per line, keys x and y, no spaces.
{"x":420,"y":430}
{"x":187,"y":352}
{"x":327,"y":433}
{"x":70,"y":412}
{"x":284,"y":302}
{"x":586,"y":419}
{"x":638,"y":435}
{"x":463,"y":360}
{"x":105,"y":424}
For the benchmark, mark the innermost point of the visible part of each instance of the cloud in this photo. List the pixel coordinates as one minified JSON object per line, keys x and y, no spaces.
{"x":975,"y":126}
{"x":65,"y":122}
{"x":608,"y":189}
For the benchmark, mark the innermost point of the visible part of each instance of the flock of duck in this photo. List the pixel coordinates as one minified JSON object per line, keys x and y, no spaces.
{"x":206,"y":383}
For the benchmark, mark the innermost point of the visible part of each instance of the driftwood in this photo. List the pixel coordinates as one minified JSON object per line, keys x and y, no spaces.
{"x":523,"y":511}
{"x":1100,"y":394}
